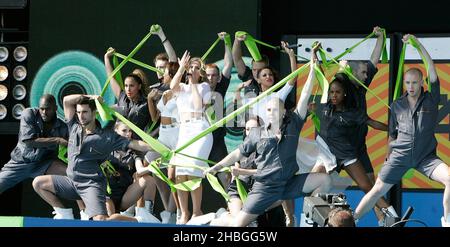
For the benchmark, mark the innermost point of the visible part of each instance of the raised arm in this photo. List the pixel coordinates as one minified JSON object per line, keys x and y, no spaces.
{"x":302,"y":104}
{"x":154,"y":113}
{"x":376,"y":53}
{"x":292,"y":60}
{"x":70,"y":102}
{"x":109,"y":69}
{"x":175,"y":83}
{"x":167,"y":45}
{"x":227,"y":58}
{"x":432,"y":74}
{"x":237,"y":55}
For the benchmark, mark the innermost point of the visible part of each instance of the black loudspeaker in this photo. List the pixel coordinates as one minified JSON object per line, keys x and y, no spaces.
{"x":13,"y":4}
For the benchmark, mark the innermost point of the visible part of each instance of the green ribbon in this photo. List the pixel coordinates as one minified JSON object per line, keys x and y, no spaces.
{"x":118,"y":75}
{"x":241,"y":109}
{"x":241,"y":190}
{"x":104,"y":115}
{"x":251,"y":45}
{"x":143,"y":65}
{"x":189,"y":185}
{"x":416,"y":45}
{"x":398,"y":81}
{"x":62,"y":153}
{"x":353,"y":47}
{"x":316,"y":121}
{"x":210,"y":49}
{"x":346,"y":71}
{"x":227,"y":40}
{"x":216,"y":186}
{"x":165,"y":152}
{"x":136,"y":49}
{"x":384,"y":54}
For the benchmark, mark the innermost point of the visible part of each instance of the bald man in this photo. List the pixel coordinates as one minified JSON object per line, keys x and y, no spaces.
{"x":36,"y":152}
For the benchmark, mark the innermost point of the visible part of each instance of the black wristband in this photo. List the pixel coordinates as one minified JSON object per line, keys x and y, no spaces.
{"x":164,"y":40}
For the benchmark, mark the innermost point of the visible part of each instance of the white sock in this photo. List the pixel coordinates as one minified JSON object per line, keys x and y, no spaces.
{"x":149,"y":206}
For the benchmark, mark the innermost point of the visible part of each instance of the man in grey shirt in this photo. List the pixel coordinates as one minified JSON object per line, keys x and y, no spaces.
{"x":36,"y":152}
{"x":412,"y":144}
{"x":275,"y":143}
{"x":89,"y":146}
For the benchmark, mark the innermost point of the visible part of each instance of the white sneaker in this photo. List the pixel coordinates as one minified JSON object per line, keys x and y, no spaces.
{"x":202,"y":219}
{"x":146,"y":217}
{"x":253,"y":224}
{"x":126,"y":213}
{"x":63,"y":214}
{"x":445,"y":223}
{"x":165,"y":216}
{"x":220,"y":212}
{"x":83,"y":215}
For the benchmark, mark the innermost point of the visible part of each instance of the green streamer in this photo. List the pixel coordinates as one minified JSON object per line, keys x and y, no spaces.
{"x":251,"y":45}
{"x":398,"y":81}
{"x":356,"y":79}
{"x":136,"y":49}
{"x":210,"y":49}
{"x":241,"y":190}
{"x":216,"y":186}
{"x":143,"y":65}
{"x":62,"y":153}
{"x":118,"y":75}
{"x":241,"y":109}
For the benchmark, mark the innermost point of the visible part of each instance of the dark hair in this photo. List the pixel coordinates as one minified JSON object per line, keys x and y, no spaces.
{"x":344,"y":82}
{"x":341,"y":217}
{"x":50,"y":99}
{"x":87,"y":101}
{"x":140,"y":78}
{"x":274,"y":73}
{"x":172,"y":67}
{"x":161,"y":56}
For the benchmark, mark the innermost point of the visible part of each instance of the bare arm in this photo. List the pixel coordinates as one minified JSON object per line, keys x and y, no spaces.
{"x":302,"y":104}
{"x":376,"y":53}
{"x":139,"y":146}
{"x":236,"y":171}
{"x":377,"y":125}
{"x":227,"y":59}
{"x":237,"y":55}
{"x":175,"y":83}
{"x":167,"y":45}
{"x":229,"y":160}
{"x":432,"y":74}
{"x":109,"y":69}
{"x":197,"y":99}
{"x":292,"y":60}
{"x":154,"y":113}
{"x":70,"y":102}
{"x":140,"y":168}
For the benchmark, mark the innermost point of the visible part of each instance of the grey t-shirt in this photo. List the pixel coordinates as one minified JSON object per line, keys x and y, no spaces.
{"x":86,"y":153}
{"x":275,"y":159}
{"x":32,"y":127}
{"x":413,"y":130}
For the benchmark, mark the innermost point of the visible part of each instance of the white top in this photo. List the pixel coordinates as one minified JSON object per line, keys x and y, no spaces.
{"x":259,"y":108}
{"x":184,"y":98}
{"x":169,"y":109}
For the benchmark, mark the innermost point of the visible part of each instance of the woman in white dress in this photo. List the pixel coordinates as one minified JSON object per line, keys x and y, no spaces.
{"x":191,"y":100}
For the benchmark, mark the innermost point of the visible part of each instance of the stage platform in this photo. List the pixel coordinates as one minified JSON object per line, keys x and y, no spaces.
{"x":20,"y":221}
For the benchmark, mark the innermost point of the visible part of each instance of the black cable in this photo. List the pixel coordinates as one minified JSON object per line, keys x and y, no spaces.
{"x":409,"y":220}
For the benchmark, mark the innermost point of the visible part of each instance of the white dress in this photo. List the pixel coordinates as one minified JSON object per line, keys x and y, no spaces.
{"x":189,"y":128}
